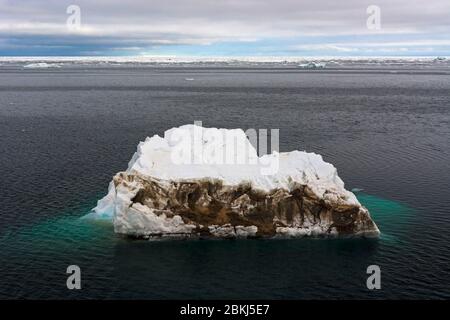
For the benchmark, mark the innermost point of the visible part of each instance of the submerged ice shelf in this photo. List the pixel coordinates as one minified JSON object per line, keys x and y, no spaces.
{"x":160,"y":196}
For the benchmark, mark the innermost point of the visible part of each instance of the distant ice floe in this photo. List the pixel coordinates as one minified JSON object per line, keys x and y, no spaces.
{"x":41,"y":65}
{"x":310,"y":63}
{"x":313,"y":65}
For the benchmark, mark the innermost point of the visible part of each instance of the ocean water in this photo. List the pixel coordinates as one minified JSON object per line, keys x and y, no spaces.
{"x":64,"y":132}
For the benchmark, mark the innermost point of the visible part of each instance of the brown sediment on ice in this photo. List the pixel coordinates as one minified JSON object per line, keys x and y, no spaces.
{"x":203,"y":208}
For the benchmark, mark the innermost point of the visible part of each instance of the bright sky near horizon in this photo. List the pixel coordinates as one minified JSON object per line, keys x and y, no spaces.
{"x":225,"y":28}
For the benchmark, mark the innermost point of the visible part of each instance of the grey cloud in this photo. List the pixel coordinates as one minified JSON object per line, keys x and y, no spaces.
{"x":205,"y":21}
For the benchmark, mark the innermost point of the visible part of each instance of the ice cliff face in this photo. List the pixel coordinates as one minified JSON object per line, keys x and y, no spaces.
{"x":197,"y":195}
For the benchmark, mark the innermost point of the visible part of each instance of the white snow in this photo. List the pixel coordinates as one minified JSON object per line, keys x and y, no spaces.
{"x":156,"y":157}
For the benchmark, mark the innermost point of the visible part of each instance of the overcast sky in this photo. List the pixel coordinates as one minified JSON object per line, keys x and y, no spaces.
{"x":225,"y":28}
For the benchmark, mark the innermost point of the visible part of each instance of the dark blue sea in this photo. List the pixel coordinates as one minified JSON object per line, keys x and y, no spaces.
{"x":64,"y":132}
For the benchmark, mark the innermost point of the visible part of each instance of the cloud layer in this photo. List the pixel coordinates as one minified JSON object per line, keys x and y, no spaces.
{"x":225,"y":27}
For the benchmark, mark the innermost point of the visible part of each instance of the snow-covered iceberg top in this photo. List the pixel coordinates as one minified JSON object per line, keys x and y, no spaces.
{"x":196,"y":182}
{"x":194,"y":152}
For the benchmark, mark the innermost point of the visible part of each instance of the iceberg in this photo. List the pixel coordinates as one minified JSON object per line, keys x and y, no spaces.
{"x":313,"y":65}
{"x":159,"y":196}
